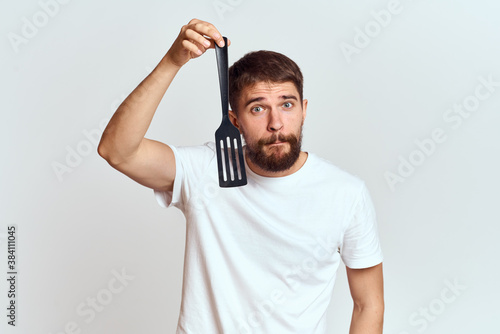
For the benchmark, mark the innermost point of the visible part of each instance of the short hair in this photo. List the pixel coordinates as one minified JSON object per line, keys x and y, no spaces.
{"x":262,"y":66}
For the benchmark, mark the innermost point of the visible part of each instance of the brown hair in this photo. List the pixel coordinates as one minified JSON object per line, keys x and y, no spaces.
{"x":262,"y":66}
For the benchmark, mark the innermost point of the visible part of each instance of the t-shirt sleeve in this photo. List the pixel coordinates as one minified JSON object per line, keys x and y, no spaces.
{"x":361,"y":246}
{"x":172,"y":198}
{"x":192,"y":163}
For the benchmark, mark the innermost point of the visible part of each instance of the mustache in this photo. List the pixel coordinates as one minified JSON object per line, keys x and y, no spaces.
{"x":292,"y":139}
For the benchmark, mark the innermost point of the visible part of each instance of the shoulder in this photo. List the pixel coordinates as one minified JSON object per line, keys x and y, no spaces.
{"x":331,"y":174}
{"x":196,"y":159}
{"x":205,"y":152}
{"x":206,"y":148}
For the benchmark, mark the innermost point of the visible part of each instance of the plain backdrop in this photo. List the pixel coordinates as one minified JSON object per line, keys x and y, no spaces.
{"x":404,"y":94}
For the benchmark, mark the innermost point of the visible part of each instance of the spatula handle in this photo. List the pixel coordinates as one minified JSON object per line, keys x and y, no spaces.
{"x":222,"y":66}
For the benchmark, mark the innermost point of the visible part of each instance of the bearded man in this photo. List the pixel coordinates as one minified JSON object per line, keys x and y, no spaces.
{"x":261,"y":258}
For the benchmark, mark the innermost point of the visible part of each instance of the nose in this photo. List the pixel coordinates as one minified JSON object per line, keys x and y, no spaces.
{"x":275,"y":123}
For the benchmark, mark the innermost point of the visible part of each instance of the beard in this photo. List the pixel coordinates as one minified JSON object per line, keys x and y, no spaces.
{"x":276,"y":159}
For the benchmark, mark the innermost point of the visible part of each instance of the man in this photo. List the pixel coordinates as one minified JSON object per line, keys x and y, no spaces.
{"x":261,"y":258}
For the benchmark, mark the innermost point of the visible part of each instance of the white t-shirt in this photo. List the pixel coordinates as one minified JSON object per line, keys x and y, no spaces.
{"x":263,"y":258}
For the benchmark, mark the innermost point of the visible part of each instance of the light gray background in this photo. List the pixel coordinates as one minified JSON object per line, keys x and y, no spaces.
{"x":438,"y":228}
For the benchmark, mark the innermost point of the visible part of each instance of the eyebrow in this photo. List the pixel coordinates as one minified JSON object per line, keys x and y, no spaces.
{"x":283,"y":97}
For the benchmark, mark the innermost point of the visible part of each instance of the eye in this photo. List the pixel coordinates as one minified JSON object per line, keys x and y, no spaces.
{"x":288,"y":105}
{"x":257,"y":109}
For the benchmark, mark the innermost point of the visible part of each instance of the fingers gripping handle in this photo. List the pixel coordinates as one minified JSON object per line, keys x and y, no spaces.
{"x":222,"y":66}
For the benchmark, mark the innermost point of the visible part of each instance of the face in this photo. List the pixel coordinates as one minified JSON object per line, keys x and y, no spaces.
{"x":270,"y":118}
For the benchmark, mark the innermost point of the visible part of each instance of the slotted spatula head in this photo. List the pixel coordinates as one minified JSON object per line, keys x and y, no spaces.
{"x":230,"y":161}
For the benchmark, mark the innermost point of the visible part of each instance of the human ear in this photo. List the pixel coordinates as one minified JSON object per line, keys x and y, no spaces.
{"x":304,"y":109}
{"x":234,"y":119}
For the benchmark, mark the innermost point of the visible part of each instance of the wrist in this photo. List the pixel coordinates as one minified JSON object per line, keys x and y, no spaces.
{"x":165,"y":70}
{"x":168,"y":63}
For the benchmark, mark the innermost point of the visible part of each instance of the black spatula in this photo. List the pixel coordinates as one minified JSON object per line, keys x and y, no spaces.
{"x":227,"y":137}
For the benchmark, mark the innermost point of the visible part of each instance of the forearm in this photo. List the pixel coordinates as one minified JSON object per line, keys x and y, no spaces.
{"x":368,"y":320}
{"x":128,"y":126}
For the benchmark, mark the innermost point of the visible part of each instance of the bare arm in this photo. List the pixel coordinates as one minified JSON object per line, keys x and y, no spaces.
{"x":123,"y":145}
{"x":367,"y":291}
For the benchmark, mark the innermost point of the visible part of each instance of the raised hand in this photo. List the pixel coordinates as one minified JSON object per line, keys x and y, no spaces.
{"x":194,"y":39}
